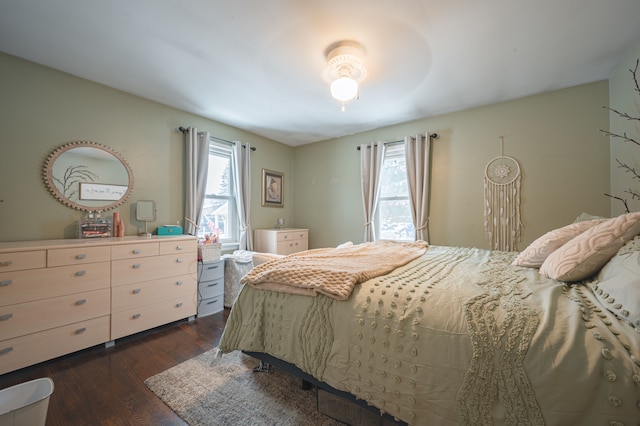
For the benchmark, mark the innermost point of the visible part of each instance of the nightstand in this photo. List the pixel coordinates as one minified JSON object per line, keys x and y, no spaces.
{"x":210,"y":287}
{"x":280,"y":241}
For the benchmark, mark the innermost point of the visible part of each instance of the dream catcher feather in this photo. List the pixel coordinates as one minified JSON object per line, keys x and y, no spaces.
{"x":502,"y":203}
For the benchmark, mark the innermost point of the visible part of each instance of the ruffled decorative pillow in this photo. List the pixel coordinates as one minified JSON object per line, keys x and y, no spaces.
{"x":585,"y":254}
{"x":538,"y":251}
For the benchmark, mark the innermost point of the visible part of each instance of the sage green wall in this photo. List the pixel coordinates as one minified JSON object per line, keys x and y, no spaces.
{"x":42,"y":109}
{"x":554,"y":136}
{"x":624,"y":98}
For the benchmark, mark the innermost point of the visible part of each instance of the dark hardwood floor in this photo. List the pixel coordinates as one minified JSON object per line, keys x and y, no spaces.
{"x":105,"y":386}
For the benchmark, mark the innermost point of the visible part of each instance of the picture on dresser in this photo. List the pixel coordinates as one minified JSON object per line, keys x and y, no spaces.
{"x":272,"y":188}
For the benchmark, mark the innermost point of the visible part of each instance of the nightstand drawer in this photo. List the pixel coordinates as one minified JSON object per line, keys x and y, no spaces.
{"x":207,"y":289}
{"x":210,"y":271}
{"x":301,"y":234}
{"x":210,"y":306}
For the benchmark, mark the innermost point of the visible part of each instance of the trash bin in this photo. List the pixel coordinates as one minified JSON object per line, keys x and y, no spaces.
{"x":26,"y":404}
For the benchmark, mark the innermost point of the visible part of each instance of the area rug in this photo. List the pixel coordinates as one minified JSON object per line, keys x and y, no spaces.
{"x":207,"y":391}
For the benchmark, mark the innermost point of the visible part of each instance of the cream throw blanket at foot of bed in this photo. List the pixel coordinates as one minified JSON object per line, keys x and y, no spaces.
{"x":333,"y":271}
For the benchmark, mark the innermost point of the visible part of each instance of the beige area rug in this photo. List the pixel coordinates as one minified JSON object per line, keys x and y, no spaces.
{"x":225,"y":391}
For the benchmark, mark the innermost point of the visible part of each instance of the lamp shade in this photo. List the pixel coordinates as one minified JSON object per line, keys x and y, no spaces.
{"x":344,"y":88}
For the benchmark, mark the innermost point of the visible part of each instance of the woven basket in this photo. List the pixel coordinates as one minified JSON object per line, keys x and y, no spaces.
{"x":209,"y":252}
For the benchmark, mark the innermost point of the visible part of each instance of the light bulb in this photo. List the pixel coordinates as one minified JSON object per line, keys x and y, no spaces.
{"x":344,"y":88}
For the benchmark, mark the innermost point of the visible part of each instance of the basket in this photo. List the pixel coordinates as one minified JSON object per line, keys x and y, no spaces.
{"x":209,"y":252}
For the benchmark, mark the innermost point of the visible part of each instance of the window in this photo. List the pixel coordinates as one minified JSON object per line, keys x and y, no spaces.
{"x":393,"y":215}
{"x":219,"y":209}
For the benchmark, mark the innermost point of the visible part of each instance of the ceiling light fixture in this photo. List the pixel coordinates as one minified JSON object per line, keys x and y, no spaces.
{"x":344,"y":70}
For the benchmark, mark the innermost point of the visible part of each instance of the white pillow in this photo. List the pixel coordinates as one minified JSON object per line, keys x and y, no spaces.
{"x":536,"y":253}
{"x":585,"y":254}
{"x":618,"y":287}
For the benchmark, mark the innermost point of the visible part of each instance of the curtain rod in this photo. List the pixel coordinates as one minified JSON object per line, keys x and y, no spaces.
{"x":213,"y":138}
{"x":431,"y":136}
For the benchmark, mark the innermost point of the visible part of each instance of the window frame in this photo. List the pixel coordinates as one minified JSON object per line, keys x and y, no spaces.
{"x":224,"y":150}
{"x":391,"y":152}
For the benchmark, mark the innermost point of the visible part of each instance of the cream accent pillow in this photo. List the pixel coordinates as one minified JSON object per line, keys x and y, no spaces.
{"x":618,"y":287}
{"x":536,"y":253}
{"x":585,"y":254}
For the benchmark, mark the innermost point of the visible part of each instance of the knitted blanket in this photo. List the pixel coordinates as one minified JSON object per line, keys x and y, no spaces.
{"x":333,"y":272}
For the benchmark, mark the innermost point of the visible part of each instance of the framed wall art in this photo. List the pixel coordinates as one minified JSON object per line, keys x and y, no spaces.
{"x":272,"y":188}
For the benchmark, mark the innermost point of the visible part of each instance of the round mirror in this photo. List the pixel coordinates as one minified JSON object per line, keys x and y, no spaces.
{"x":88,"y":176}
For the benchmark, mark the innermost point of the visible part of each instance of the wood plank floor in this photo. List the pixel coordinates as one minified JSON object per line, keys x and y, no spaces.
{"x":105,"y":386}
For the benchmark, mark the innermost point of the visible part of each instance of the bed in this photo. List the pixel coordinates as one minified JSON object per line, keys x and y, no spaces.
{"x":459,"y":335}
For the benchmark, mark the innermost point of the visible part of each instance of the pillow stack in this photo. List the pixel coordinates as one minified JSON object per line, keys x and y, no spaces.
{"x":581,"y":249}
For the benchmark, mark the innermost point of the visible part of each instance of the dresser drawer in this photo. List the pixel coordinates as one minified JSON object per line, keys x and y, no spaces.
{"x":37,"y":284}
{"x":17,"y":261}
{"x":37,"y":347}
{"x":128,"y":251}
{"x":135,"y":320}
{"x":30,"y":317}
{"x":128,"y":271}
{"x":210,"y":271}
{"x":299,"y":234}
{"x":78,"y":255}
{"x":181,"y":246}
{"x":135,"y":295}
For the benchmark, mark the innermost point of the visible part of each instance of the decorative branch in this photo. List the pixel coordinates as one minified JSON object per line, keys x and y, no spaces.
{"x":635,"y":174}
{"x":626,"y":206}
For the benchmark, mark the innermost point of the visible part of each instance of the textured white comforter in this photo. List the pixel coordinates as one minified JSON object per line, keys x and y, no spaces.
{"x":458,"y":336}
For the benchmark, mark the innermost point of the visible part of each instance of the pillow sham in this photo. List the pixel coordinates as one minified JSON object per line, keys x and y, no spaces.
{"x":618,"y":287}
{"x":585,"y":254}
{"x":535,"y":254}
{"x":586,"y":216}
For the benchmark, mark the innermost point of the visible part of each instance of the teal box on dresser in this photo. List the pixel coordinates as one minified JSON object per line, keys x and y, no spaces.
{"x":170,"y":230}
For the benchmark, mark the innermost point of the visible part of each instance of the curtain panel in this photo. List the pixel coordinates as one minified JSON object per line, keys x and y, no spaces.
{"x":242,"y":167}
{"x":417,"y":156}
{"x":197,"y":165}
{"x":371,"y":156}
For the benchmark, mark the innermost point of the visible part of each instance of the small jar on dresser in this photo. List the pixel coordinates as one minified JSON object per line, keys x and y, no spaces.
{"x":210,"y":287}
{"x":281,"y":241}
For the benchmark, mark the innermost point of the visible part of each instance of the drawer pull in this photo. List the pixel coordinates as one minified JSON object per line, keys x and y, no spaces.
{"x":179,"y":282}
{"x":135,"y":251}
{"x":179,"y":260}
{"x":81,"y":330}
{"x":179,"y":305}
{"x":213,"y":267}
{"x":178,"y":248}
{"x":212,"y":302}
{"x":6,"y":350}
{"x":286,"y":236}
{"x":212,"y":285}
{"x":136,"y":316}
{"x":81,"y":302}
{"x":6,"y":317}
{"x":5,"y":283}
{"x":80,"y":273}
{"x":6,"y":263}
{"x":80,"y":256}
{"x":137,"y":265}
{"x":137,"y":291}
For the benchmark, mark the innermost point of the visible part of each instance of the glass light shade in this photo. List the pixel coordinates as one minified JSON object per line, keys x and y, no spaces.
{"x":344,"y":88}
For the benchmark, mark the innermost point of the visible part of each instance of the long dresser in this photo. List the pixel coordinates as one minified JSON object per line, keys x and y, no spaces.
{"x":60,"y":296}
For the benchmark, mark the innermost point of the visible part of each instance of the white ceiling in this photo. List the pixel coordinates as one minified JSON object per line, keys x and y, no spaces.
{"x":257,"y":64}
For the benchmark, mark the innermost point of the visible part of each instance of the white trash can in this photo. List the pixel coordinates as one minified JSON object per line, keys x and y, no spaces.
{"x":26,"y":404}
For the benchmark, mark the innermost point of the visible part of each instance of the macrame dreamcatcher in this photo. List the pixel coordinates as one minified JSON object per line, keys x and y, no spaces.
{"x":502,"y":203}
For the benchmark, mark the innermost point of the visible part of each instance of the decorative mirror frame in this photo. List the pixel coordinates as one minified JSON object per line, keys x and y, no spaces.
{"x":48,"y":175}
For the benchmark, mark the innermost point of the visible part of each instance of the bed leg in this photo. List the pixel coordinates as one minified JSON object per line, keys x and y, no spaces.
{"x":306,"y":385}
